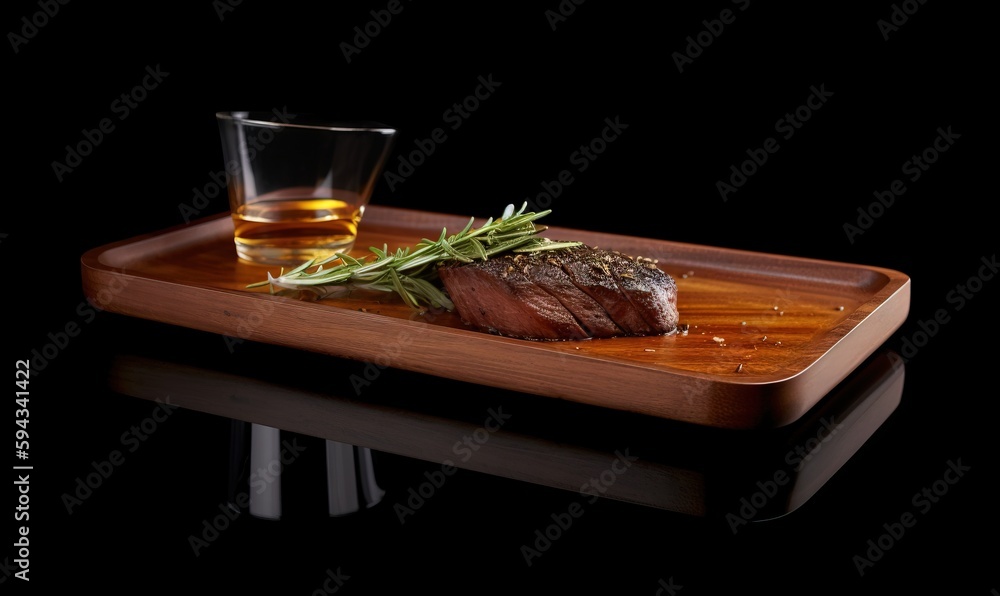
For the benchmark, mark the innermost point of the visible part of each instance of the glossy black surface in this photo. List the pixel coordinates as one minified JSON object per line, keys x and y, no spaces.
{"x":914,"y":506}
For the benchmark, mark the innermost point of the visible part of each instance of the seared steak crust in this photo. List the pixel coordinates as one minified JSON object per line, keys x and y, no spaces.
{"x":563,"y":294}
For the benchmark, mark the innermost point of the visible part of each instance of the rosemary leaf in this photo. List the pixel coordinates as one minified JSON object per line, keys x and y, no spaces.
{"x":413,"y":274}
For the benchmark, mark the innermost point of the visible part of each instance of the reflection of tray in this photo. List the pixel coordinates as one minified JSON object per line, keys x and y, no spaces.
{"x":797,"y":326}
{"x":692,"y":470}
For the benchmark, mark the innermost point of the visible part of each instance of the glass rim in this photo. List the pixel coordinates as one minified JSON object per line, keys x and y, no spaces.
{"x":307,"y":121}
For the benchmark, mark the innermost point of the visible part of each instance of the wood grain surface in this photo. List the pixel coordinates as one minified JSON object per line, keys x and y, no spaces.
{"x":767,"y":335}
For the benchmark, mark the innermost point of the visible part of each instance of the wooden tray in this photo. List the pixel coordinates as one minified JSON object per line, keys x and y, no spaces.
{"x":768,"y":335}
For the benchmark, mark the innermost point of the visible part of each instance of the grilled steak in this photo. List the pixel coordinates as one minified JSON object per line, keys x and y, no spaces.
{"x":563,"y":294}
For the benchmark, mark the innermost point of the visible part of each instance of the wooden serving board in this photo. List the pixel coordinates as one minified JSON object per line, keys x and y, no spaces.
{"x":768,"y":335}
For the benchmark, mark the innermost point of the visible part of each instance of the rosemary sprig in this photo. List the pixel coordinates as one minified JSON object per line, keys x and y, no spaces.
{"x":412,"y":273}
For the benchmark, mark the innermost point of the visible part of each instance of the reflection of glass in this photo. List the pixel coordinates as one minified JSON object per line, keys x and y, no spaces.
{"x":259,"y":456}
{"x":298,"y":186}
{"x":594,"y":452}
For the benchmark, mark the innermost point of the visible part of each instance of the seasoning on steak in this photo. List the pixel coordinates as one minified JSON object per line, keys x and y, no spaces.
{"x":563,"y":294}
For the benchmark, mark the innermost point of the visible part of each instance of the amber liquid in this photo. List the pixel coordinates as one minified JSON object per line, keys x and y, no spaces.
{"x":293,"y":230}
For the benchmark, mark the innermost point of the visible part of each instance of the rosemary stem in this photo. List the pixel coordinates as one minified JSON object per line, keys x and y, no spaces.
{"x":412,"y":273}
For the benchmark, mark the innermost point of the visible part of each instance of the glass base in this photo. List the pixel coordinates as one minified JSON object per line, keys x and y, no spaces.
{"x":288,"y":257}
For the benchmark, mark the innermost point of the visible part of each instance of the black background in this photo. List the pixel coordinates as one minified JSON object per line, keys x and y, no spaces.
{"x":887,"y":100}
